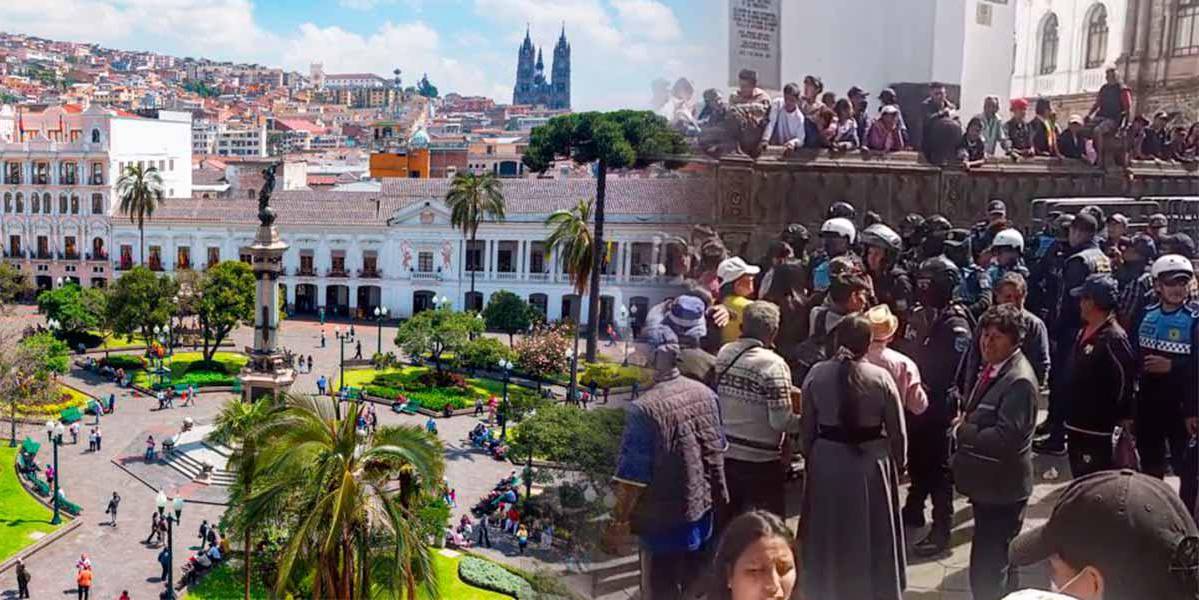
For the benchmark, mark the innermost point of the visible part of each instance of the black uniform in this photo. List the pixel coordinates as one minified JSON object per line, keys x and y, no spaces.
{"x":1101,"y":378}
{"x":894,"y":288}
{"x":1085,"y":261}
{"x":942,"y":337}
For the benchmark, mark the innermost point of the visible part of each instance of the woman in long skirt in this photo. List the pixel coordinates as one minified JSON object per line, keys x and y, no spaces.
{"x":852,"y":435}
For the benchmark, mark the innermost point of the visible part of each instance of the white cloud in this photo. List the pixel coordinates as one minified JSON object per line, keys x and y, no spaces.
{"x":361,"y":4}
{"x":649,"y":19}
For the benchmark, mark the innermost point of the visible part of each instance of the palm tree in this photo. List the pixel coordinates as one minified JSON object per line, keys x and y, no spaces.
{"x":236,"y":426}
{"x":473,"y":199}
{"x":140,"y":190}
{"x":572,"y":241}
{"x":351,"y":498}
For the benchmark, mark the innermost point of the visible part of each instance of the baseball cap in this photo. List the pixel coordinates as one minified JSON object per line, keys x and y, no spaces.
{"x":1131,"y":527}
{"x":1086,"y":220}
{"x":686,"y":317}
{"x":1074,"y":119}
{"x":856,"y":91}
{"x":1144,"y":246}
{"x":1019,"y":104}
{"x":1117,"y":218}
{"x":1161,"y":114}
{"x":1158,"y":220}
{"x":996,"y":207}
{"x":1100,"y":288}
{"x":732,"y":269}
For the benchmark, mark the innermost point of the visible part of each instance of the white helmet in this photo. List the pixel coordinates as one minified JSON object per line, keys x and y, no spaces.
{"x":1172,"y":263}
{"x":1008,"y":238}
{"x":839,"y":226}
{"x":882,"y":236}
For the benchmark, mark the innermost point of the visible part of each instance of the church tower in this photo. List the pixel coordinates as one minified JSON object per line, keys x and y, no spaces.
{"x":561,"y":73}
{"x":523,"y":91}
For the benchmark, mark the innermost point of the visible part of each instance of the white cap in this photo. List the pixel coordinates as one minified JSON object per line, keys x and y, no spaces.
{"x":1172,"y":263}
{"x":732,"y":269}
{"x":840,"y":226}
{"x":1008,"y":238}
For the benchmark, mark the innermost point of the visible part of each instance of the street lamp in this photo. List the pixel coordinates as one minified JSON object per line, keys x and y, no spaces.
{"x":342,"y":339}
{"x":506,"y":366}
{"x":60,"y":281}
{"x":380,"y":314}
{"x":573,"y":354}
{"x":54,"y":431}
{"x":161,"y":333}
{"x":171,"y":520}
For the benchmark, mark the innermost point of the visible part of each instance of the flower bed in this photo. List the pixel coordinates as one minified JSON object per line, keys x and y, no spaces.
{"x":416,"y":385}
{"x":69,"y":398}
{"x":189,"y":368}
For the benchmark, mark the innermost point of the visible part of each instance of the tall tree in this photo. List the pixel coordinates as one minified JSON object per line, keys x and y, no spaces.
{"x":24,"y":377}
{"x":473,"y":199}
{"x":508,"y":313}
{"x":139,"y":300}
{"x":614,"y":140}
{"x":573,"y":244}
{"x":437,"y":332}
{"x":236,"y":426}
{"x":224,"y":300}
{"x":141,"y":192}
{"x":14,"y":283}
{"x":347,"y":509}
{"x":77,"y":309}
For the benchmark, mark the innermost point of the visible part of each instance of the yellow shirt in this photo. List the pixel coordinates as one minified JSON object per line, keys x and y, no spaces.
{"x":736,"y":306}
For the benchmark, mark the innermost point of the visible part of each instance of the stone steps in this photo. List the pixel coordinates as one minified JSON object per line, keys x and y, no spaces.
{"x":191,"y":466}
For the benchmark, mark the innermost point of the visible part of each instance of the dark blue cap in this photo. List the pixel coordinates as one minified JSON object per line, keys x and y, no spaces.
{"x":1101,"y":288}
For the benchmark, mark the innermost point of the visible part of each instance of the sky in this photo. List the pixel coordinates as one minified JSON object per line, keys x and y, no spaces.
{"x":466,"y":46}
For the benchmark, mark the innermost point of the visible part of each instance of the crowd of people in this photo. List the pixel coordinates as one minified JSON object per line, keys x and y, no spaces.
{"x":808,"y":116}
{"x":920,"y":351}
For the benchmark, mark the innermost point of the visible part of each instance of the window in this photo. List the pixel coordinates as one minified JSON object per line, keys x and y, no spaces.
{"x":62,"y":204}
{"x":1049,"y":41}
{"x":214,"y":256}
{"x":13,"y":172}
{"x":7,"y":202}
{"x":35,"y":203}
{"x":97,"y":204}
{"x":474,"y":256}
{"x":43,"y":246}
{"x":155,"y":258}
{"x":337,"y":264}
{"x":20,"y":203}
{"x":306,"y":264}
{"x":46,"y":203}
{"x":74,"y":204}
{"x":172,"y":164}
{"x":97,"y":173}
{"x":95,"y":136}
{"x":1186,"y":28}
{"x":14,"y":246}
{"x":424,"y":262}
{"x":41,"y":173}
{"x":183,"y":257}
{"x":98,"y":251}
{"x":1097,"y":37}
{"x":67,"y":173}
{"x":126,"y":256}
{"x":68,"y":246}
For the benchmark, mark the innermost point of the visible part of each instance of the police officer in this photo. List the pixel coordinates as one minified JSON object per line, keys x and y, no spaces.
{"x":1136,"y":280}
{"x":936,"y":228}
{"x":1085,"y":259}
{"x":941,"y":329}
{"x":912,"y":231}
{"x":838,"y":235}
{"x":1167,"y":345}
{"x":1045,"y":274}
{"x":1007,"y":249}
{"x":1045,"y":238}
{"x":975,"y":290}
{"x":892,"y":285}
{"x":841,"y":210}
{"x":985,"y":231}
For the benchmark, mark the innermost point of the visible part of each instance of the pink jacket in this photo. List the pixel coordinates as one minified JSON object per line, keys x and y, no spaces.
{"x":905,"y":372}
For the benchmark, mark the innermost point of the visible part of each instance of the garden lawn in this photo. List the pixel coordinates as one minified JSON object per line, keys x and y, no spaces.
{"x":189,"y":368}
{"x":433,"y":399}
{"x":450,"y":586}
{"x":77,"y":399}
{"x":225,"y":582}
{"x":20,"y":515}
{"x":115,"y":342}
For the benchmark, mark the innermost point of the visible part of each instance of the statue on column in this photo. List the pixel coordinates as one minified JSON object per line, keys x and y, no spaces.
{"x":266,"y":214}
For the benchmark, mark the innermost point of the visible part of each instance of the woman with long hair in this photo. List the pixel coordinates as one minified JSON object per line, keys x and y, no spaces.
{"x":784,"y":285}
{"x":852,"y":434}
{"x":755,"y":560}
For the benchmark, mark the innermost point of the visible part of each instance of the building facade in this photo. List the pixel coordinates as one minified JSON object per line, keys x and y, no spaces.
{"x":1161,"y":47}
{"x":532,"y":85}
{"x":351,"y":251}
{"x":58,"y":186}
{"x":1064,"y":47}
{"x":229,"y":139}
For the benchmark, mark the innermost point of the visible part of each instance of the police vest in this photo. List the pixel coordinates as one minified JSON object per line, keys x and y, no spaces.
{"x":820,"y":277}
{"x":1095,"y":260}
{"x":996,"y":272}
{"x":975,"y":281}
{"x":1168,"y":333}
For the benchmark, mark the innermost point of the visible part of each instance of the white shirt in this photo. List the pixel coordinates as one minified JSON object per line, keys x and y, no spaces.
{"x":787,"y":127}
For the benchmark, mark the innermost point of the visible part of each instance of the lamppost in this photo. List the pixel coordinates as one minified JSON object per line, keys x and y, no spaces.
{"x":171,"y":520}
{"x":529,"y":467}
{"x":380,"y":314}
{"x":342,"y":340}
{"x":625,"y":313}
{"x":161,"y":333}
{"x":506,"y":366}
{"x":572,"y":389}
{"x":439,"y":302}
{"x":54,"y":431}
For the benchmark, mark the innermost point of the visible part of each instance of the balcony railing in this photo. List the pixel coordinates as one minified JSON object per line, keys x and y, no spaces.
{"x":539,"y":276}
{"x":507,"y":275}
{"x":155,"y":265}
{"x":183,"y":264}
{"x":332,"y":272}
{"x":425,"y":276}
{"x":97,"y":179}
{"x":43,"y":255}
{"x":306,"y":272}
{"x":42,"y":179}
{"x":370,"y":273}
{"x":70,"y":255}
{"x":125,"y":265}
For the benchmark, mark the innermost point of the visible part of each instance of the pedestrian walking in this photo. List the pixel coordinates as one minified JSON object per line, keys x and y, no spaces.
{"x":50,"y":474}
{"x":322,"y":337}
{"x":153,"y":529}
{"x":309,"y":363}
{"x":522,"y":538}
{"x":478,"y":407}
{"x":113,"y":504}
{"x":91,"y":440}
{"x":112,"y":403}
{"x":83,"y":583}
{"x":23,"y":578}
{"x":320,"y":385}
{"x":484,"y":535}
{"x":74,"y":429}
{"x":358,"y":350}
{"x":164,"y":560}
{"x":83,"y":563}
{"x":162,"y":400}
{"x":203,"y":532}
{"x":352,"y":334}
{"x":212,"y":537}
{"x":149,"y":448}
{"x":99,"y":439}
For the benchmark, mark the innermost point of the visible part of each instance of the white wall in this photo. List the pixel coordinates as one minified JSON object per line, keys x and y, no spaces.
{"x":1071,"y":76}
{"x":987,"y":55}
{"x":133,"y":139}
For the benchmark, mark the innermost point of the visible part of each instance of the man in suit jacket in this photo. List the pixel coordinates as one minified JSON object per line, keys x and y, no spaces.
{"x":992,"y":465}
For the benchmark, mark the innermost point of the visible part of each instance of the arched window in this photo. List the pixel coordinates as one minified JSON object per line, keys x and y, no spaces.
{"x":1097,"y":37}
{"x":1186,"y":29}
{"x":62,"y":204}
{"x":35,"y":203}
{"x":7,"y":202}
{"x":97,"y":204}
{"x":46,"y":200}
{"x":74,"y":204}
{"x":1049,"y":41}
{"x":95,"y":136}
{"x":20,"y":203}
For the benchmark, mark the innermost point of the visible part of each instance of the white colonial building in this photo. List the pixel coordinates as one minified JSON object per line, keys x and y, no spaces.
{"x":352,"y":251}
{"x":58,"y":175}
{"x":1064,"y":46}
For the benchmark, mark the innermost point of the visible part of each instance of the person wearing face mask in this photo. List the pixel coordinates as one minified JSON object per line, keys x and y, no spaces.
{"x":1085,"y":259}
{"x":838,"y":235}
{"x":756,"y":560}
{"x":853,"y":436}
{"x":940,"y":331}
{"x":1167,"y":347}
{"x":670,"y":474}
{"x":1115,"y":535}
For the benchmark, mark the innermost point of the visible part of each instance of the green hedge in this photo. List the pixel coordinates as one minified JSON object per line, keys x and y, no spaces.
{"x":610,"y":375}
{"x":490,"y":576}
{"x":129,"y":362}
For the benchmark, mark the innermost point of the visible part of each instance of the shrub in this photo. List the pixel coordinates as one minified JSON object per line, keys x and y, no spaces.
{"x":544,"y":353}
{"x":210,"y":366}
{"x":383,"y":360}
{"x":385,"y":392}
{"x":490,"y":576}
{"x":129,"y":362}
{"x":442,"y":379}
{"x":485,"y":353}
{"x":610,"y":375}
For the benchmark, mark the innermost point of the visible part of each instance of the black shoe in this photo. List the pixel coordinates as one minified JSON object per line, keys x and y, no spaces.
{"x":936,"y":542}
{"x":1050,"y":446}
{"x":1043,"y":429}
{"x":913,"y":516}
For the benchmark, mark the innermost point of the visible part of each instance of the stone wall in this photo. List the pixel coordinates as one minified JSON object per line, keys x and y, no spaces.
{"x":754,"y":198}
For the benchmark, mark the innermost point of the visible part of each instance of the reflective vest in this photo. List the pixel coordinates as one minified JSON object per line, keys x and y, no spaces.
{"x":1169,"y":334}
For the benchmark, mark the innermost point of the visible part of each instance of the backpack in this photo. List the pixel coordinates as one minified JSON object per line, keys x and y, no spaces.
{"x":812,"y":350}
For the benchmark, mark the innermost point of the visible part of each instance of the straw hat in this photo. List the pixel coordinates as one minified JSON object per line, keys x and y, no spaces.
{"x":883,"y":324}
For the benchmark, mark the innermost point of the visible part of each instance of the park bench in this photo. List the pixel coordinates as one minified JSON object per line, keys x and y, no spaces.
{"x":39,"y":485}
{"x":69,"y":507}
{"x":70,"y":415}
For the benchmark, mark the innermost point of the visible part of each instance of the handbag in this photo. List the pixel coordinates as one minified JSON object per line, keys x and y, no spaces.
{"x":1124,"y":450}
